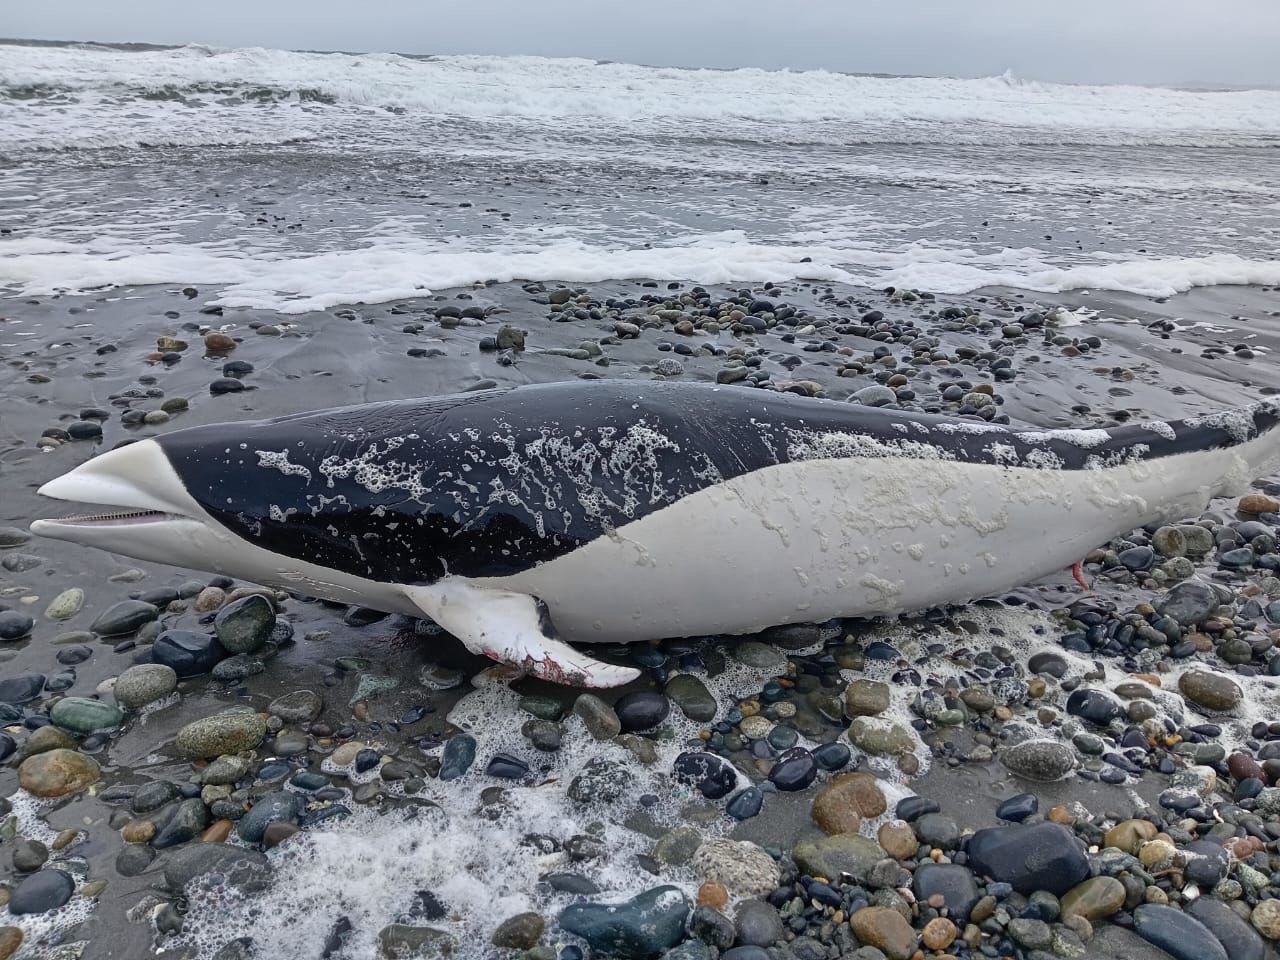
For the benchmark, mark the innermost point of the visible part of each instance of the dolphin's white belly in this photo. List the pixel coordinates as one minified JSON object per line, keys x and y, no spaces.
{"x":856,"y":536}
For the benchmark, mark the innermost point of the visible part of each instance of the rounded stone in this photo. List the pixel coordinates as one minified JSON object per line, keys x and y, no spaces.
{"x":85,"y":715}
{"x":740,"y":865}
{"x":641,"y":710}
{"x":757,"y":924}
{"x":244,"y":625}
{"x":1096,"y":898}
{"x":866,"y":698}
{"x":15,"y":625}
{"x":938,"y":934}
{"x":521,"y":932}
{"x":794,"y":770}
{"x":41,"y":892}
{"x":300,"y":706}
{"x":1211,"y":691}
{"x":57,"y":772}
{"x":213,"y":736}
{"x":124,"y":618}
{"x":1042,"y":761}
{"x":599,"y":718}
{"x":898,"y":839}
{"x":144,"y":683}
{"x":1266,"y":919}
{"x":886,"y":930}
{"x":66,"y":604}
{"x":842,"y":805}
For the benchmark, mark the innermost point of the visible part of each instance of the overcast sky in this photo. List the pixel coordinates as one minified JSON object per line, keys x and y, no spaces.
{"x":1152,"y":41}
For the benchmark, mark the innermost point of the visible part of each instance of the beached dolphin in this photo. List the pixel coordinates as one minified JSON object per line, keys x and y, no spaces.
{"x":636,"y":510}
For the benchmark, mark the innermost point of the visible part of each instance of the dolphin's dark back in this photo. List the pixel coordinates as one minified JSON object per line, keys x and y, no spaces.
{"x":493,"y":482}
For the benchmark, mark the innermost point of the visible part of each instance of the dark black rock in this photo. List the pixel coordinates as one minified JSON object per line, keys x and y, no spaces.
{"x":1178,"y":934}
{"x":21,"y":688}
{"x":1096,"y":706}
{"x":833,"y":756}
{"x":641,"y":710}
{"x":42,"y":891}
{"x":507,"y":767}
{"x":912,"y":808}
{"x":15,"y":625}
{"x":745,"y":805}
{"x":713,"y":776}
{"x":244,"y":868}
{"x":956,"y":884}
{"x":124,"y":618}
{"x":758,"y":923}
{"x":1208,"y":863}
{"x":187,"y":821}
{"x":188,"y":653}
{"x":1239,"y":939}
{"x":1043,"y":856}
{"x":1016,"y":809}
{"x":794,"y":770}
{"x":643,"y":926}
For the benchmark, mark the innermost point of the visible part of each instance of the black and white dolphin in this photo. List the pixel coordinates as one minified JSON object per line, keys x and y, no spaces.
{"x":636,"y":510}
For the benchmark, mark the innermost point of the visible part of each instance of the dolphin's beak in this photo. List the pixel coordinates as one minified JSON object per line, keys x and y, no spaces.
{"x":135,"y":484}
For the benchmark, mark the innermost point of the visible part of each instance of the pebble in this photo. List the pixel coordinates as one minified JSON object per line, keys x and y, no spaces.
{"x":300,"y":706}
{"x":1042,"y":856}
{"x":1178,"y":934}
{"x":1042,"y":761}
{"x":521,"y":932}
{"x":831,"y":856}
{"x":950,"y":883}
{"x":885,"y":930}
{"x":1188,"y":602}
{"x":600,"y":719}
{"x":188,"y":820}
{"x":187,"y":653}
{"x":794,"y":770}
{"x":57,"y":773}
{"x":280,"y":806}
{"x":83,"y":715}
{"x":65,"y":605}
{"x":124,"y":618}
{"x":866,"y":698}
{"x":1212,"y":691}
{"x":643,"y":926}
{"x":15,"y":625}
{"x":842,"y":805}
{"x":223,"y":733}
{"x":41,"y":892}
{"x":742,"y":867}
{"x":244,"y":625}
{"x":29,"y":855}
{"x":692,"y":697}
{"x":712,"y":776}
{"x":144,"y":683}
{"x":458,"y":755}
{"x":1094,"y":899}
{"x":757,"y":924}
{"x":641,"y":710}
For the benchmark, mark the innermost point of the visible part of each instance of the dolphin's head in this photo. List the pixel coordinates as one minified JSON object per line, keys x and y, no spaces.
{"x":142,"y":510}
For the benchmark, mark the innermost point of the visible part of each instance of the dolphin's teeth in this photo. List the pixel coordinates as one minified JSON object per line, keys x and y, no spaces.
{"x":125,"y":517}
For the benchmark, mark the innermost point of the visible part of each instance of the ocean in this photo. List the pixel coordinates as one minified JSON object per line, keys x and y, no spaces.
{"x":191,"y":235}
{"x":296,"y":181}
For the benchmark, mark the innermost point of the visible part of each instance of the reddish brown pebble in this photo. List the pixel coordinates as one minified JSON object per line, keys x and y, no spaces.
{"x":713,"y":894}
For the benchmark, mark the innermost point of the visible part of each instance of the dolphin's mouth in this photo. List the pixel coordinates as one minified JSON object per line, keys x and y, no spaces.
{"x":118,"y":519}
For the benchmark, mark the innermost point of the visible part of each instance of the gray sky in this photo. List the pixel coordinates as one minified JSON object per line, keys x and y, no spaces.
{"x":1152,"y":41}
